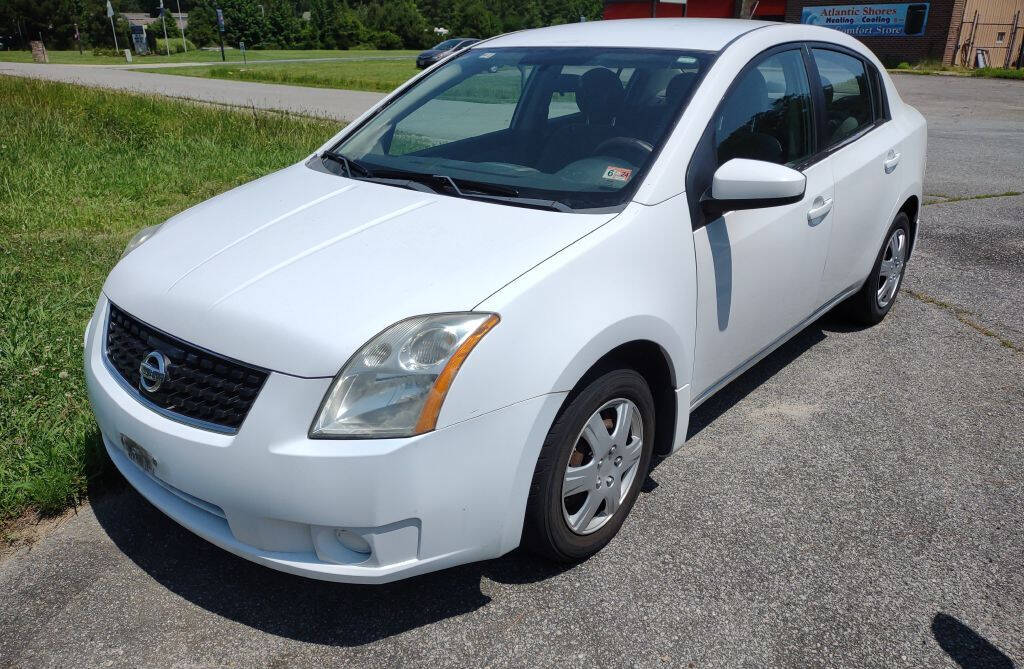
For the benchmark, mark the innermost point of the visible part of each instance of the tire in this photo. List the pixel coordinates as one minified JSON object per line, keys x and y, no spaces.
{"x":867,"y":306}
{"x":558,"y":528}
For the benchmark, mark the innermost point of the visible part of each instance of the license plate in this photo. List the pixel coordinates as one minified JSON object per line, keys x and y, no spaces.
{"x":138,"y":455}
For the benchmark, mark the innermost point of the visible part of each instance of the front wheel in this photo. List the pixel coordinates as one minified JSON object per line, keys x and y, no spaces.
{"x":874,"y":300}
{"x":591,"y":468}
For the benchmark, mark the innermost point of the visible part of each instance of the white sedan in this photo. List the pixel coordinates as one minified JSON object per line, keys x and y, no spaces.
{"x":471,"y":319}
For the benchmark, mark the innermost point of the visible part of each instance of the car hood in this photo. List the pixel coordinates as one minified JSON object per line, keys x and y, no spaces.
{"x":293,"y":272}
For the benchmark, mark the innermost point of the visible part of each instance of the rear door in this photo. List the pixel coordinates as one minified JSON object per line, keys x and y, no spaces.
{"x":758,"y":270}
{"x":866,"y":152}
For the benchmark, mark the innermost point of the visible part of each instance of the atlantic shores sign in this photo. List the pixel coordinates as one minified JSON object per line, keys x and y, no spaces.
{"x":891,"y":20}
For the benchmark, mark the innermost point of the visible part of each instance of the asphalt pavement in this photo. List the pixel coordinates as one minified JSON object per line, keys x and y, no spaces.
{"x":856,"y":499}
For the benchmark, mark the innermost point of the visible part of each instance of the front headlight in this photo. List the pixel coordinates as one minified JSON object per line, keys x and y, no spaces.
{"x":140,"y":238}
{"x":394,"y":385}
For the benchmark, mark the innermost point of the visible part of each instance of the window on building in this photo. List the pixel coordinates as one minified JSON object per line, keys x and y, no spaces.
{"x":1000,"y":37}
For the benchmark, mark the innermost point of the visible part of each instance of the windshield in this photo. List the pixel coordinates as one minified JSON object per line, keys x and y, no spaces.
{"x":575,"y":126}
{"x":445,"y":45}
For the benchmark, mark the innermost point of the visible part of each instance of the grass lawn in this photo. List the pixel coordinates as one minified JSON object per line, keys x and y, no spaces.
{"x":931,"y":67}
{"x":201,"y":56}
{"x":370,"y":75}
{"x":80,"y":171}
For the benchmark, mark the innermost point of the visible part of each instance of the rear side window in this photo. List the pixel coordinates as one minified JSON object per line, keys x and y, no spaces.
{"x":849,"y":107}
{"x":767,"y":114}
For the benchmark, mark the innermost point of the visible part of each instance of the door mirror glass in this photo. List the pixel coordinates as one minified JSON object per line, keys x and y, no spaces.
{"x":752,"y":184}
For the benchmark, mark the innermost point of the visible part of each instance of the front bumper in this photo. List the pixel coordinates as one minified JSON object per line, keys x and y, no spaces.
{"x":270,"y":494}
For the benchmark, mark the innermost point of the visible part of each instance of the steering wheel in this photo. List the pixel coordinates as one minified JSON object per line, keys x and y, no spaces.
{"x":628,"y":148}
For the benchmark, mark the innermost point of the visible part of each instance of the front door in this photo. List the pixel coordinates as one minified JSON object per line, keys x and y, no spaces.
{"x":759,"y":270}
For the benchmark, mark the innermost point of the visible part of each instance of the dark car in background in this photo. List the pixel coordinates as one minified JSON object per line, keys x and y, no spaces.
{"x":432,"y":55}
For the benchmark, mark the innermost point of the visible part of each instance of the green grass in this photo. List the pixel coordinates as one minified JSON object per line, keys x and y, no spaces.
{"x":997,"y":73}
{"x":938,"y":198}
{"x":936,"y":67}
{"x":202,"y":56}
{"x":80,"y":171}
{"x":370,"y":75}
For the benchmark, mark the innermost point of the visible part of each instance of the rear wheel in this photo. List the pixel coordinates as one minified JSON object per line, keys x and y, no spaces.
{"x":874,"y":300}
{"x":591,"y":468}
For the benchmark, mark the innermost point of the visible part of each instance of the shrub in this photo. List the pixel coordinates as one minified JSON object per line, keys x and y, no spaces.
{"x":903,"y":66}
{"x":115,"y":53}
{"x":387,"y":40}
{"x":176,"y":45}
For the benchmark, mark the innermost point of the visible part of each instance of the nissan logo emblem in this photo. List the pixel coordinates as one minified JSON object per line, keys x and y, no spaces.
{"x":153,"y":371}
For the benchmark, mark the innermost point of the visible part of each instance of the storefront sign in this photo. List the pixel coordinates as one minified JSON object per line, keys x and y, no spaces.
{"x":893,"y":20}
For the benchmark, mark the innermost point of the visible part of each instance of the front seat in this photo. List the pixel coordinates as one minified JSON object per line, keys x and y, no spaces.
{"x":660,"y":117}
{"x":740,"y":134}
{"x":600,"y":97}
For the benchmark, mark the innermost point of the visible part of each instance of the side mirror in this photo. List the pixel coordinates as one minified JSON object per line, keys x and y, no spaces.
{"x":752,"y":184}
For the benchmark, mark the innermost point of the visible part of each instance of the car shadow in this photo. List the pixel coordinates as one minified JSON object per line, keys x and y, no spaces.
{"x":966,"y":647}
{"x":753,"y":378}
{"x":291,"y":606}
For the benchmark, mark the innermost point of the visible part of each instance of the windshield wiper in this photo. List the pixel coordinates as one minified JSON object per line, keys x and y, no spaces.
{"x":442,"y":183}
{"x":519,"y":201}
{"x":389,"y":178}
{"x":463,"y":187}
{"x":347,"y":163}
{"x":476,"y":190}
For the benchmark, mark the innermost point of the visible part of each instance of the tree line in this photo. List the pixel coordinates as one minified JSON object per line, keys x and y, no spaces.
{"x":288,"y":24}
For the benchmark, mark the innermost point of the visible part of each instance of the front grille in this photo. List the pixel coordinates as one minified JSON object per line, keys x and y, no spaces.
{"x":200,"y":387}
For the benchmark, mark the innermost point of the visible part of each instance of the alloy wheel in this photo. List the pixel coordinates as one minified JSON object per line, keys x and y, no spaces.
{"x":890,"y":271}
{"x":603,"y":465}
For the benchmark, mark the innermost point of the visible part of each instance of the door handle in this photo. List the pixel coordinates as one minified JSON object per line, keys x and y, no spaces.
{"x":822,"y":205}
{"x":891,"y":161}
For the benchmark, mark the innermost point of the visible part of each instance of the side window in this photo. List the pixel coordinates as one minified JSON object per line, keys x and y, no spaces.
{"x":878,"y":94}
{"x":848,"y":101}
{"x":767,"y":115}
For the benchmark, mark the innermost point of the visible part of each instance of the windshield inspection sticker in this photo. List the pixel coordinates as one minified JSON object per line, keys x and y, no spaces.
{"x":613,"y":173}
{"x":489,"y":54}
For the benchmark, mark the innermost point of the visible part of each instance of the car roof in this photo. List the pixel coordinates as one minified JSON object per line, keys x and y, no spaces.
{"x":690,"y":34}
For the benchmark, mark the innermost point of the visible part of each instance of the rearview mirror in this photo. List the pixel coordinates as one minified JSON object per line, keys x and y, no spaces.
{"x":752,"y":184}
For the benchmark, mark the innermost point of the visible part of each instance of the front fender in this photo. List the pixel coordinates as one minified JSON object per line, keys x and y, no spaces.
{"x":631,"y":279}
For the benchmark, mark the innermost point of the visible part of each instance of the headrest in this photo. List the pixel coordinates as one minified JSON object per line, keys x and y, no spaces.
{"x":679,"y":87}
{"x":828,"y":89}
{"x":746,"y":101}
{"x":600,"y":95}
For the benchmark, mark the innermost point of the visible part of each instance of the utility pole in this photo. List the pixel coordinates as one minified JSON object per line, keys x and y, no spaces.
{"x":220,"y":32}
{"x":163,"y":19}
{"x":181,"y":27}
{"x":110,"y":15}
